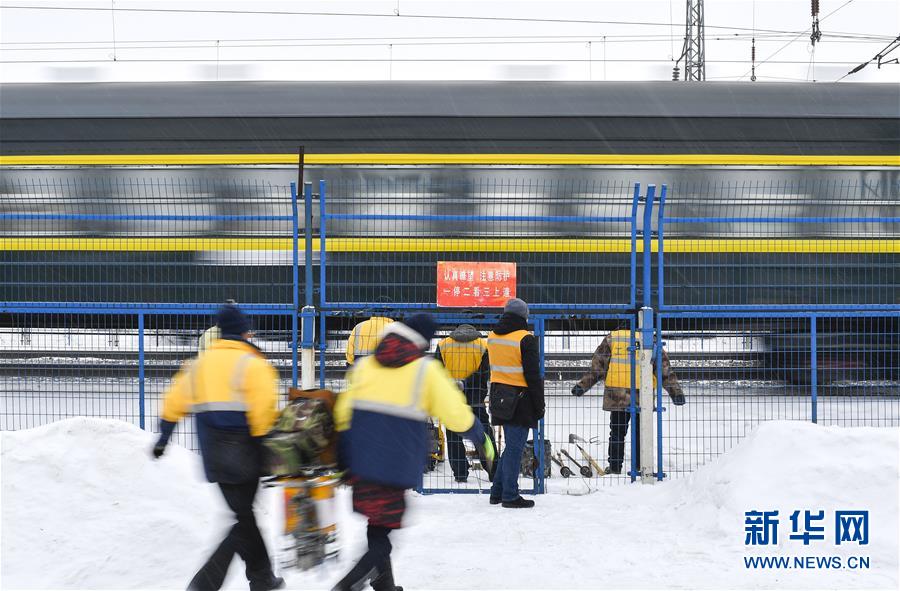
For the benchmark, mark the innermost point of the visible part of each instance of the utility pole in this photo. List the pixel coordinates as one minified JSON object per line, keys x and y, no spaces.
{"x":693,"y":53}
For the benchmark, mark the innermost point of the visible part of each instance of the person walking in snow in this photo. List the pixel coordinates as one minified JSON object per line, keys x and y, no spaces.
{"x":464,"y":354}
{"x":381,"y":421}
{"x":516,"y":398}
{"x":233,"y":391}
{"x":611,"y":362}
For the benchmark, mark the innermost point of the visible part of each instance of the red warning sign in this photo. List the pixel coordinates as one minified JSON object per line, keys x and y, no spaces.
{"x":475,"y":285}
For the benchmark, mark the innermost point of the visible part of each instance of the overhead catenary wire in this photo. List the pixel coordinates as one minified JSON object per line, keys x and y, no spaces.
{"x":857,"y":34}
{"x":103,"y":45}
{"x":375,"y":15}
{"x":410,"y":60}
{"x":218,"y":45}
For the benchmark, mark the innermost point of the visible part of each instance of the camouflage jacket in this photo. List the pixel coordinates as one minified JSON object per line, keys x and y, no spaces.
{"x":620,"y":398}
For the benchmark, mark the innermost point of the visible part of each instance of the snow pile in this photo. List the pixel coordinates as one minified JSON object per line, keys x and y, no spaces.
{"x":83,"y":505}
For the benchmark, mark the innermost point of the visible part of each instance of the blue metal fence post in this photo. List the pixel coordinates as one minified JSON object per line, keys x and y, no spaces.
{"x":141,"y":377}
{"x":322,"y":244}
{"x":645,"y":416}
{"x":660,"y":224}
{"x":323,"y":344}
{"x":648,"y":240}
{"x":632,"y":406}
{"x":814,"y":366}
{"x":308,"y":314}
{"x":660,"y":274}
{"x":296,"y":278}
{"x":539,"y":432}
{"x":658,"y":351}
{"x":646,"y":329}
{"x":634,"y":209}
{"x":308,"y":239}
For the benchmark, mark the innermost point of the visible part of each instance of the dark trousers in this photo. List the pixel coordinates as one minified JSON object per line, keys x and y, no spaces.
{"x":456,"y":450}
{"x":618,"y":429}
{"x":506,"y":479}
{"x":243,"y":539}
{"x":375,"y":564}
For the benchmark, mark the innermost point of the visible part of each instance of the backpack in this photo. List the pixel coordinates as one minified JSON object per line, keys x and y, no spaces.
{"x":530,"y":461}
{"x":303,"y":437}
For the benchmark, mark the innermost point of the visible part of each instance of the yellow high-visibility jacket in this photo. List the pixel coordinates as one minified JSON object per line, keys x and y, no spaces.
{"x":229,"y":386}
{"x":365,"y":337}
{"x":462,"y":359}
{"x":619,"y":373}
{"x":382,"y":418}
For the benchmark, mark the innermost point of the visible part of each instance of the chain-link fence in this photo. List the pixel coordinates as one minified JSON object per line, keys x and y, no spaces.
{"x":114,"y":241}
{"x":773,"y":300}
{"x":108,"y":283}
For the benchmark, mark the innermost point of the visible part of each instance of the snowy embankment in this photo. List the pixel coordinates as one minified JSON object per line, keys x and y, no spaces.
{"x":83,"y":506}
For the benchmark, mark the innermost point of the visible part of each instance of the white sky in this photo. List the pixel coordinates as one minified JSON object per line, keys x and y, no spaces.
{"x":64,"y":45}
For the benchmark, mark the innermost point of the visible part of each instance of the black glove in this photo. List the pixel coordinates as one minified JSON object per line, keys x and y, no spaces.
{"x":577,"y":390}
{"x":678,"y":399}
{"x":159,"y":449}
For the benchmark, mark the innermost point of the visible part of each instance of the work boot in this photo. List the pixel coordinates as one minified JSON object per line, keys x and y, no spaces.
{"x":384,"y":580}
{"x":267,"y":584}
{"x":613,"y":470}
{"x":495,"y":500}
{"x":519,"y":503}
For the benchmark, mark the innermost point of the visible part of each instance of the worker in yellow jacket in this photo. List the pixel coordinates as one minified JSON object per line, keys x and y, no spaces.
{"x":464,"y":354}
{"x":612,"y":362}
{"x":516,"y":397}
{"x":381,"y":418}
{"x":233,"y":392}
{"x":364,"y":338}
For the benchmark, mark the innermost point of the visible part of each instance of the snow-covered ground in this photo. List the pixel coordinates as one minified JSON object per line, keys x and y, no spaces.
{"x":84,"y":506}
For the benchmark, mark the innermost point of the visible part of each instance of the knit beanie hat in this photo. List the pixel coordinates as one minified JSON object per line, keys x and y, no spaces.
{"x":517,"y":307}
{"x":423,"y":324}
{"x":232,"y":321}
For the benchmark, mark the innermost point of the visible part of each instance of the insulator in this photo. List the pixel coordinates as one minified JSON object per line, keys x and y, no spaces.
{"x":675,"y":73}
{"x":815,"y":7}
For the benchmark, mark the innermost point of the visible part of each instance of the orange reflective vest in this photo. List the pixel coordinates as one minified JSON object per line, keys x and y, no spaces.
{"x":619,"y":373}
{"x":462,"y":359}
{"x":505,"y":354}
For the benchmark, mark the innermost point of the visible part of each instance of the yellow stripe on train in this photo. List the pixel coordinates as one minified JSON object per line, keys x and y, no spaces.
{"x":451,"y":245}
{"x":450,"y":159}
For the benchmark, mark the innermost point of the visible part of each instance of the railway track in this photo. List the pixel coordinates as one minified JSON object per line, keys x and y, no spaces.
{"x":163,"y":364}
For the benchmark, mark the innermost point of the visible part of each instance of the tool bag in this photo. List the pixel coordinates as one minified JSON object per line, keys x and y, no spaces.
{"x":304,"y":436}
{"x":530,"y":461}
{"x":434,"y":453}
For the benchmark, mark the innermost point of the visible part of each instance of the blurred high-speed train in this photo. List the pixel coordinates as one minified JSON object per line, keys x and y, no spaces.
{"x":560,"y":149}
